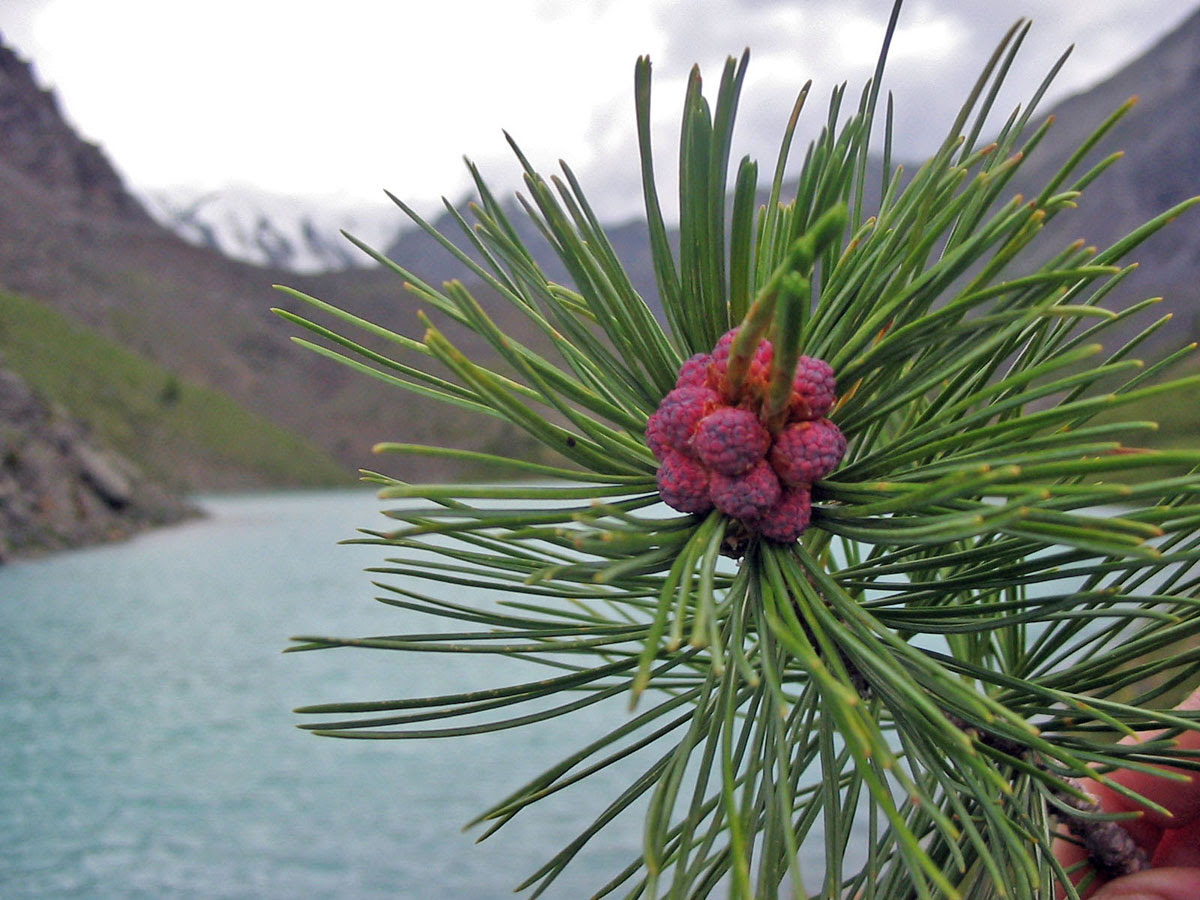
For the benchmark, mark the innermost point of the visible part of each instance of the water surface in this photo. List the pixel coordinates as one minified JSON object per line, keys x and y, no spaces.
{"x":149,"y":749}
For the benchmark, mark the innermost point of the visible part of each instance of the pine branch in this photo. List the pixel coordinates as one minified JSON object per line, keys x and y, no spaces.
{"x":854,"y":527}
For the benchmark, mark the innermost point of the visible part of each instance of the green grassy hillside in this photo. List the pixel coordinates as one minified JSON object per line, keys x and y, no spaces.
{"x":181,"y":433}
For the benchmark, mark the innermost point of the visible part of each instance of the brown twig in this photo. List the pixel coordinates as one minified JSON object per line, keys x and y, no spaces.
{"x":1111,"y":849}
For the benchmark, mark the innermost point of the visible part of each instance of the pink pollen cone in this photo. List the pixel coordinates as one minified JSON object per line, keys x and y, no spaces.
{"x":681,"y":411}
{"x":721,"y":349}
{"x":786,"y":520}
{"x":807,"y":451}
{"x":757,"y":375}
{"x":814,"y":389}
{"x":730,"y":440}
{"x":694,"y":372}
{"x":745,"y":496}
{"x":683,"y":483}
{"x":655,"y":439}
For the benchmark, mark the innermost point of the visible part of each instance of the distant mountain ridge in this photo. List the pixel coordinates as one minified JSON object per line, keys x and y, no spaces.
{"x":273,"y":230}
{"x":1160,"y":139}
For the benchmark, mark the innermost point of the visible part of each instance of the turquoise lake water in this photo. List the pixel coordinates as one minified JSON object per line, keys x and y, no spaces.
{"x":148,"y":748}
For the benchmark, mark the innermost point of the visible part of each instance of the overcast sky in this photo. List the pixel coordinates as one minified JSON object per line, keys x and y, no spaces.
{"x":303,"y":99}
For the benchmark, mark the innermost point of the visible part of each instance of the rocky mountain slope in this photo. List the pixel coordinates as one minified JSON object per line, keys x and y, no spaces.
{"x":72,"y":236}
{"x":60,"y":488}
{"x":37,"y":146}
{"x":179,"y":432}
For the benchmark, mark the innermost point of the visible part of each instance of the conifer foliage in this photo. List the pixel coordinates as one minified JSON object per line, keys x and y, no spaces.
{"x":912,"y":577}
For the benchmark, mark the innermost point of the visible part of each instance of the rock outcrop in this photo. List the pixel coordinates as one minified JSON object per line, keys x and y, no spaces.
{"x":36,"y":141}
{"x":59,"y":488}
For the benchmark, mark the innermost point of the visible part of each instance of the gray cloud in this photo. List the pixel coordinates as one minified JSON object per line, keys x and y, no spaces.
{"x":939,"y":50}
{"x":16,"y":21}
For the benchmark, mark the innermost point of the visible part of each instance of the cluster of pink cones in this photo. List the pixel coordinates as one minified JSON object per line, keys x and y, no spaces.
{"x":715,"y":449}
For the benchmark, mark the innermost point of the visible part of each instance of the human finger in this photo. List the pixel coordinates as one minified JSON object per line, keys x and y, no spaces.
{"x":1179,"y":847}
{"x":1180,"y":798}
{"x":1153,"y":884}
{"x":1171,"y":839}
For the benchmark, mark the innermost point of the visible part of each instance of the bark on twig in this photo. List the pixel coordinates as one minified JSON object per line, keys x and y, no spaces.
{"x":1111,"y":849}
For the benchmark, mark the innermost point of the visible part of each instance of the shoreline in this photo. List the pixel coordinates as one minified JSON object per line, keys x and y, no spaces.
{"x":61,"y":489}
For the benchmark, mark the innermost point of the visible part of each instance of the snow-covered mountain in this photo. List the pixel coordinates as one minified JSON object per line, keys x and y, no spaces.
{"x":275,"y":230}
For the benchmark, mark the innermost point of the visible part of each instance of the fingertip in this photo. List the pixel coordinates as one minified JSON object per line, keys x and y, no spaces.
{"x":1179,"y":847}
{"x":1153,"y":884}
